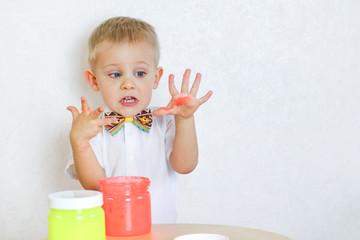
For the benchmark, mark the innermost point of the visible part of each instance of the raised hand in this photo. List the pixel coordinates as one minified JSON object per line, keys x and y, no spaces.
{"x":86,"y":124}
{"x":183,"y":104}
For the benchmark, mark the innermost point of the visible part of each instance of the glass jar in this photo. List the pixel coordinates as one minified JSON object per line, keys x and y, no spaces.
{"x":76,"y":215}
{"x":127,"y":205}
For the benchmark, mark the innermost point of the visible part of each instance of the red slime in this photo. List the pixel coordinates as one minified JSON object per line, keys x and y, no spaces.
{"x":178,"y":102}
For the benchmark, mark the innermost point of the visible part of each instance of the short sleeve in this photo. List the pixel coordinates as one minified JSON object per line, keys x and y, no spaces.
{"x":70,"y":170}
{"x":96,"y":145}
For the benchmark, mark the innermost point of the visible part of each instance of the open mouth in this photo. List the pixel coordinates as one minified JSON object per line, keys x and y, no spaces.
{"x":128,"y":101}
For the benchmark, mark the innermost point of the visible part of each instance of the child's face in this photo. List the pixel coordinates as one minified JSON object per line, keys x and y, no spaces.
{"x":125,"y":73}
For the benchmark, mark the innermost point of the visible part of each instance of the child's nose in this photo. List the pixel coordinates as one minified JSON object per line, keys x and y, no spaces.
{"x":127,"y":83}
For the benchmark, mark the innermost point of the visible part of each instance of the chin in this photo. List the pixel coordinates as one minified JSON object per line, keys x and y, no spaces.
{"x":129,"y":112}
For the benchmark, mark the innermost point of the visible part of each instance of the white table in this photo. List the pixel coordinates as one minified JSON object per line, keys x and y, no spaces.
{"x":170,"y":231}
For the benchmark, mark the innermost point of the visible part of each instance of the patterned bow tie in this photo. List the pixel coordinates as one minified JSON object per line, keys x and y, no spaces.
{"x":143,"y":121}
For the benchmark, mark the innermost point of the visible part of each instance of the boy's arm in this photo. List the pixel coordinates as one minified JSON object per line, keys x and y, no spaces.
{"x":87,"y":166}
{"x":184,"y":156}
{"x":87,"y":125}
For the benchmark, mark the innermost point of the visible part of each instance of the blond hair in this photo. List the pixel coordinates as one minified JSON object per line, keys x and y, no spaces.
{"x":119,"y":29}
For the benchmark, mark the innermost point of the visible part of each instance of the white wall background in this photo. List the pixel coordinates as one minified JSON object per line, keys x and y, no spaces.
{"x":279,"y":140}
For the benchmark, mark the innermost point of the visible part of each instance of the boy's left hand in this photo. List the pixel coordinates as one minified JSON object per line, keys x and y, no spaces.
{"x":185,"y":110}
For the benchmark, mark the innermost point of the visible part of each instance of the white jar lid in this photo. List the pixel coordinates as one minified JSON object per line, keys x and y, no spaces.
{"x":76,"y":199}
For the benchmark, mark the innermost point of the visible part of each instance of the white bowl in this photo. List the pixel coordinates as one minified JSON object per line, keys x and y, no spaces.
{"x":202,"y":236}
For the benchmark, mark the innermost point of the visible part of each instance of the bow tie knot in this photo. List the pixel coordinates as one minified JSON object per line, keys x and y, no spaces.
{"x":142,"y":120}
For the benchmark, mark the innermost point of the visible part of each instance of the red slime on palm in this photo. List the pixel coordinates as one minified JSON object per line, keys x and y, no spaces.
{"x":177,"y":102}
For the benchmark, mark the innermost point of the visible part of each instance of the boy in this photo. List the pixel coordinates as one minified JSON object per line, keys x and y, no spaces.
{"x":123,"y":59}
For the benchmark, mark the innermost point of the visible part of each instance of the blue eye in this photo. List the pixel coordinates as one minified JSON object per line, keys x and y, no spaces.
{"x":140,"y":74}
{"x":115,"y":75}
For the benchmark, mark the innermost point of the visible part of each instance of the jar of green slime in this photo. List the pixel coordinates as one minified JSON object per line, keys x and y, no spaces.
{"x":76,"y":215}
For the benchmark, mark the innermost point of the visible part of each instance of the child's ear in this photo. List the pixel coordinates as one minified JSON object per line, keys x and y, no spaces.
{"x":158,"y":74}
{"x":91,"y":80}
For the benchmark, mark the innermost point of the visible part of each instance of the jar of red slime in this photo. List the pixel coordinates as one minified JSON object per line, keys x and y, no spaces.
{"x":127,"y":205}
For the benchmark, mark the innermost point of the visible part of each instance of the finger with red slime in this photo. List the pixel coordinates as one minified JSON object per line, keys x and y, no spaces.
{"x":177,"y":102}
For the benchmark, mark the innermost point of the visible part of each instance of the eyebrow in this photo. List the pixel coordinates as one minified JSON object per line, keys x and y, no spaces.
{"x":143,"y":62}
{"x":115,"y":64}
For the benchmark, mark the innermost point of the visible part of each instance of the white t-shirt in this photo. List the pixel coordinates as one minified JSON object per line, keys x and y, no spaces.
{"x":132,"y":152}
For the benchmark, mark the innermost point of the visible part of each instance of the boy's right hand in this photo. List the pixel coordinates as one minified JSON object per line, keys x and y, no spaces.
{"x":86,"y":124}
